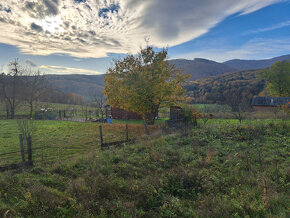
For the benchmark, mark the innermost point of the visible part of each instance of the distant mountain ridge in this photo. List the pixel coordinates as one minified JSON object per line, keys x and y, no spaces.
{"x":201,"y":68}
{"x":255,"y":64}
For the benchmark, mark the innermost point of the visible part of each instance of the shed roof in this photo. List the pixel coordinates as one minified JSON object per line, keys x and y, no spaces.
{"x":270,"y":101}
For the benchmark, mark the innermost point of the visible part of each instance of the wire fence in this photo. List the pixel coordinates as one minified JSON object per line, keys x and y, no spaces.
{"x":50,"y":154}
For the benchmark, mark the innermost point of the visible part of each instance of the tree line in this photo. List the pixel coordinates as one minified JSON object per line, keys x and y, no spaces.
{"x":26,"y":85}
{"x":233,"y":89}
{"x":237,"y":89}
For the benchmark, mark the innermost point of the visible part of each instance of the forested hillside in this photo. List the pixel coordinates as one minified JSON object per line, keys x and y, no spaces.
{"x":222,"y":89}
{"x":216,"y":89}
{"x":206,"y":71}
{"x":84,"y":85}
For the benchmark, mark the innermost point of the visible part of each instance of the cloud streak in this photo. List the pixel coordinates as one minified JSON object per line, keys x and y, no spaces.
{"x":66,"y":70}
{"x":94,"y":28}
{"x":270,"y":28}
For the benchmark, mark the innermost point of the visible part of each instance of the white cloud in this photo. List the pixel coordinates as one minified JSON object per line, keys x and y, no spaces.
{"x":48,"y":69}
{"x":93,"y":28}
{"x":255,"y":49}
{"x":273,"y":27}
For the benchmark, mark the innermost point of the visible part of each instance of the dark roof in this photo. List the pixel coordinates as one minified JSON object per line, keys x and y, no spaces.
{"x":270,"y":101}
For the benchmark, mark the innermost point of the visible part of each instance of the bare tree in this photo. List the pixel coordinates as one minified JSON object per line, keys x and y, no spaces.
{"x":239,"y":105}
{"x":205,"y":113}
{"x":26,"y":127}
{"x":11,"y":85}
{"x":85,"y":111}
{"x":35,"y":86}
{"x":100,"y":102}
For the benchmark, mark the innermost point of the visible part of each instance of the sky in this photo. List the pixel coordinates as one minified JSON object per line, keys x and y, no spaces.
{"x":85,"y":36}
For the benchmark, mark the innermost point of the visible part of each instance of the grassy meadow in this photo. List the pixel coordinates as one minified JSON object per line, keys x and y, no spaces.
{"x":56,"y":141}
{"x":220,"y":169}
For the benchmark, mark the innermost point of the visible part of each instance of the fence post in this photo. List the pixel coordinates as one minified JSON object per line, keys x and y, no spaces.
{"x":146,"y":128}
{"x":127,"y":132}
{"x":101,"y":136}
{"x":29,"y":149}
{"x":21,"y":148}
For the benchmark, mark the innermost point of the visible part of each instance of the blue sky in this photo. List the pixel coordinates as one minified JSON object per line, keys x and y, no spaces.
{"x":84,"y":36}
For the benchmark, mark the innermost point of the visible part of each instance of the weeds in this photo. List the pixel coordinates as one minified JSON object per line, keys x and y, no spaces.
{"x":215,"y":171}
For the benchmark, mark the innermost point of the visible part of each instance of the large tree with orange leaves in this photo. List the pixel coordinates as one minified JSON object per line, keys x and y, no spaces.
{"x":143,"y":83}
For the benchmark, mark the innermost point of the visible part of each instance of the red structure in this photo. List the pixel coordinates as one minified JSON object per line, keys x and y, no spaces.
{"x":118,"y":113}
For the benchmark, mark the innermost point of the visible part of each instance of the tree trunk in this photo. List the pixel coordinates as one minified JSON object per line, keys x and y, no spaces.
{"x":149,"y":119}
{"x":12,"y":113}
{"x":146,"y":128}
{"x":31,"y":110}
{"x":7,"y":112}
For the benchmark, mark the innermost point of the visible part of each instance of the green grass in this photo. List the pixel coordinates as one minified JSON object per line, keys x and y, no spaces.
{"x":216,"y":170}
{"x":212,"y":108}
{"x":55,"y":141}
{"x":244,"y":122}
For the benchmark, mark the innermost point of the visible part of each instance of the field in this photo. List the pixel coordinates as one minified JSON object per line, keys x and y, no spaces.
{"x":220,"y":169}
{"x":55,"y":141}
{"x":23,"y":109}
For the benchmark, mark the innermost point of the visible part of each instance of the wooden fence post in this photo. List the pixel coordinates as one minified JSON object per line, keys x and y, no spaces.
{"x":29,"y":150}
{"x":127,"y":132}
{"x":101,"y":136}
{"x":146,"y":128}
{"x":21,"y":148}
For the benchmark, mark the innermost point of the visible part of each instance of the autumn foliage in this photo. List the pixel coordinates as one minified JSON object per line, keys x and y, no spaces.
{"x":143,"y":83}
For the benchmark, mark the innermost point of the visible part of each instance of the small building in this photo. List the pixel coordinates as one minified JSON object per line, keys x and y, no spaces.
{"x":121,"y":114}
{"x":177,"y":117}
{"x":269,"y":103}
{"x":176,"y":113}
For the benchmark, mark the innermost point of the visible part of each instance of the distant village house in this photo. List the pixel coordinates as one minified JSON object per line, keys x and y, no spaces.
{"x":269,"y":103}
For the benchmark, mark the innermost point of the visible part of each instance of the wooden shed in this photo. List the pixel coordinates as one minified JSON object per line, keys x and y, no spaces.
{"x":176,"y":113}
